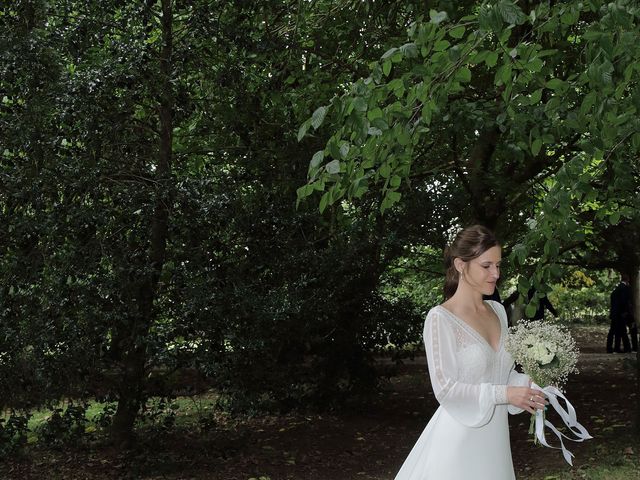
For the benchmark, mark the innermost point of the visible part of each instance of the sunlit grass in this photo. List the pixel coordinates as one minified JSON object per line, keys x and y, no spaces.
{"x":188,"y":411}
{"x":609,"y":462}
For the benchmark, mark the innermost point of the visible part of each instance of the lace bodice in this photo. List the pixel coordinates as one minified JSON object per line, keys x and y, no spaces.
{"x":469,"y":378}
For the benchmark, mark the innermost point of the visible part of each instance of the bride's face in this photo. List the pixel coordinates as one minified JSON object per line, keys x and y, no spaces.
{"x":482,"y":273}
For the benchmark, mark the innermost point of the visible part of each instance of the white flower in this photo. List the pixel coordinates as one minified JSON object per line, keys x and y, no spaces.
{"x":546,"y":351}
{"x":541,"y":353}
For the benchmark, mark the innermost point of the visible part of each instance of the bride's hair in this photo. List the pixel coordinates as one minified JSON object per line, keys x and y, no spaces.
{"x":469,"y":243}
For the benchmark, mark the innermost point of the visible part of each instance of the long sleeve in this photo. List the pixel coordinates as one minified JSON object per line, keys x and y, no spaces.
{"x":470,"y":404}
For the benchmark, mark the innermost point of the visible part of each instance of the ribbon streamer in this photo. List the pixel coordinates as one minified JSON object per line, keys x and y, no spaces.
{"x":567,"y":415}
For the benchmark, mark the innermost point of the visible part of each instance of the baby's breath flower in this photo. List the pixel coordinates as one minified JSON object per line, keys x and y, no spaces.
{"x":546,"y":351}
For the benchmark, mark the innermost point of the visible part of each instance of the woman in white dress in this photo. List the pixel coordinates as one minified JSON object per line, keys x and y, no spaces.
{"x":472,"y":375}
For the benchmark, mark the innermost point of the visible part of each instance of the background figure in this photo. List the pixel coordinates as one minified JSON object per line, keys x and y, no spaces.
{"x":620,"y":314}
{"x":631,"y":322}
{"x":543,"y":303}
{"x":633,"y":333}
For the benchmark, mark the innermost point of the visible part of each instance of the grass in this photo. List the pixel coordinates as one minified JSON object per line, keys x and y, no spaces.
{"x":188,"y":412}
{"x":597,"y":472}
{"x":613,"y":461}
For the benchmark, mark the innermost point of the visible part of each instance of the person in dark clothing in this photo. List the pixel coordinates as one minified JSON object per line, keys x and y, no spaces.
{"x":543,"y":303}
{"x":620,"y":315}
{"x":631,"y":322}
{"x":633,"y":333}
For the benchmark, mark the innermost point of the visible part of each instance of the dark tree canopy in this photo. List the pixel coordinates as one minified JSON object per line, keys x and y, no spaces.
{"x":152,"y":155}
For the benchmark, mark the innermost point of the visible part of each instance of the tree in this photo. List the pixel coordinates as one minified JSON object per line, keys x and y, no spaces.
{"x":527,"y":110}
{"x":148,"y":198}
{"x":485,"y":107}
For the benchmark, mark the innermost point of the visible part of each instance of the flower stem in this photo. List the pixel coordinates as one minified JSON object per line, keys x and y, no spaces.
{"x":532,"y":428}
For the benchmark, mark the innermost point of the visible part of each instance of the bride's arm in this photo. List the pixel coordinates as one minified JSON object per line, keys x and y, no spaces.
{"x":471,"y":404}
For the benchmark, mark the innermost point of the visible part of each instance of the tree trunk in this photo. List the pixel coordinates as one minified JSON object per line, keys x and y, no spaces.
{"x":134,"y":358}
{"x":481,"y":192}
{"x":129,"y":398}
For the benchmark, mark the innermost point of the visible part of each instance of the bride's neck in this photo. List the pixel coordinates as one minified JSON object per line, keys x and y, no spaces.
{"x":467,"y":298}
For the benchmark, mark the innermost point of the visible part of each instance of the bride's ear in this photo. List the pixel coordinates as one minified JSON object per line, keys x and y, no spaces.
{"x":459,"y":264}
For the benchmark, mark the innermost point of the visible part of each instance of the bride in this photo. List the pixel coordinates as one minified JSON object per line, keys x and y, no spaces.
{"x":472,"y":375}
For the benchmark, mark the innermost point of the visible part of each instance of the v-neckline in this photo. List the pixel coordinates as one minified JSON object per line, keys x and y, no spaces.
{"x":476,"y":332}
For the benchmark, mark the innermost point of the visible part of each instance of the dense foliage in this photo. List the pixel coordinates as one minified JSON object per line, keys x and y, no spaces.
{"x":523,"y":116}
{"x":150,"y":157}
{"x":149,"y":168}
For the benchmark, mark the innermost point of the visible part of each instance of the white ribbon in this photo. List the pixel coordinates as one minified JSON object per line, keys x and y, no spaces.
{"x":568,"y":417}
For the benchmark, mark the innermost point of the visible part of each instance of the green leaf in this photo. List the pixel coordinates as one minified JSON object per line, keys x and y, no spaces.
{"x":409,"y":50}
{"x":614,"y":218}
{"x":592,"y":35}
{"x":551,"y":248}
{"x":344,"y":150}
{"x":510,"y":12}
{"x":530,"y":311}
{"x":588,"y":102}
{"x":463,"y":75}
{"x":333,"y":167}
{"x":388,"y":53}
{"x":324,"y":201}
{"x":535,"y":97}
{"x":385,"y":170}
{"x":394,"y":196}
{"x":318,"y":117}
{"x":304,"y":191}
{"x":374,"y":113}
{"x":317,"y":158}
{"x":536,"y":145}
{"x":479,"y":57}
{"x":386,"y":68}
{"x":360,"y":191}
{"x":302,"y":131}
{"x":570,"y":17}
{"x":503,"y":75}
{"x":535,"y":64}
{"x":555,"y":84}
{"x":523,"y":284}
{"x":359,"y":104}
{"x":521,"y":253}
{"x":334,"y":150}
{"x":437,"y":17}
{"x":492,"y":59}
{"x":427,"y":113}
{"x":395,"y":181}
{"x":441,"y":45}
{"x":390,"y":198}
{"x":380,"y":123}
{"x":457,"y":32}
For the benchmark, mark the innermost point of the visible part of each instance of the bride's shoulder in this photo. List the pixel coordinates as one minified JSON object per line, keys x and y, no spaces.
{"x":436,"y":313}
{"x":499,"y":309}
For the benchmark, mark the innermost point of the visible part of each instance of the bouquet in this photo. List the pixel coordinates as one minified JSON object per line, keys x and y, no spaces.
{"x":547,"y":354}
{"x":546,"y":351}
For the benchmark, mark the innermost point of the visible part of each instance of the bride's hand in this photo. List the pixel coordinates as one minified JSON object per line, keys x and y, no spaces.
{"x":528,"y":399}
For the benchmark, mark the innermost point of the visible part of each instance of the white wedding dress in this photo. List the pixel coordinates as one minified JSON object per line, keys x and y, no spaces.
{"x":468,"y":436}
